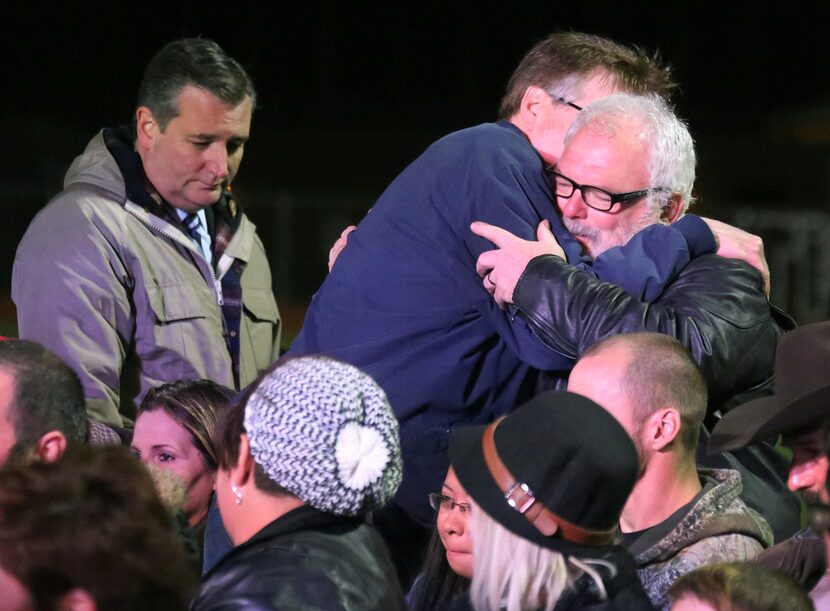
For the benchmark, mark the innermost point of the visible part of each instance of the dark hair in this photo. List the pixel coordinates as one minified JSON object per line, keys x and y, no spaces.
{"x":91,"y":520}
{"x":565,"y":54}
{"x":191,"y":61}
{"x":231,"y":429}
{"x":197,"y":406}
{"x":438,"y":584}
{"x":48,"y":395}
{"x":660,"y":372}
{"x":742,"y":586}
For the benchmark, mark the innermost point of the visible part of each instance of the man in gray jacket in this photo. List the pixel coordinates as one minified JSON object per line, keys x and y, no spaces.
{"x":678,"y":516}
{"x":144,"y":270}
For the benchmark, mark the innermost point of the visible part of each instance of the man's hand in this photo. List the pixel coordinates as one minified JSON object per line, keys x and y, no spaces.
{"x":734,"y":243}
{"x":502,"y":268}
{"x":339,"y":245}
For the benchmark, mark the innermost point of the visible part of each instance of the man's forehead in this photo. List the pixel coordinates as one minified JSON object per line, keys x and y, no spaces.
{"x":201,"y":110}
{"x":596,"y":149}
{"x":814,"y":437}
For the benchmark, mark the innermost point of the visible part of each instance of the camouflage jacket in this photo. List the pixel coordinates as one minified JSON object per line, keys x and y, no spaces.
{"x":718,"y":527}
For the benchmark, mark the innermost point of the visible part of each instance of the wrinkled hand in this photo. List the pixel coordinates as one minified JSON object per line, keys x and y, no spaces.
{"x":734,"y":243}
{"x":502,"y":268}
{"x":339,"y":245}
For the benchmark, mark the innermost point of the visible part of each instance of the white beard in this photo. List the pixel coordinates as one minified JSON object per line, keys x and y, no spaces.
{"x":597,"y":242}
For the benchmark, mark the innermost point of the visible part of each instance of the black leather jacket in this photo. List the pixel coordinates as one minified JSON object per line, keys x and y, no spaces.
{"x":715,"y":307}
{"x":306,"y":559}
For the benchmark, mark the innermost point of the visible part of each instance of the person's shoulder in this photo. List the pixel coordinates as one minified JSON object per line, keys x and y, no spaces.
{"x":712,"y":263}
{"x":496,"y":138}
{"x":728,"y":283}
{"x":79,"y":208}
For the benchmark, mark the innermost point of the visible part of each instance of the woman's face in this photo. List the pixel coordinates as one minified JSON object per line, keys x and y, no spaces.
{"x":161,"y":441}
{"x":453,"y":525}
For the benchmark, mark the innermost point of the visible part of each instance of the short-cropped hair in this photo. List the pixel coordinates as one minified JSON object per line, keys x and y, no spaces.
{"x":741,"y":586}
{"x":230,"y":432}
{"x":91,"y":520}
{"x":48,"y":395}
{"x":661,"y":372}
{"x":558,"y":62}
{"x":196,"y":62}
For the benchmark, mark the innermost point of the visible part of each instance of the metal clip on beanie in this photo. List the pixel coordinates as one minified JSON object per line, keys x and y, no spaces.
{"x":324,"y":430}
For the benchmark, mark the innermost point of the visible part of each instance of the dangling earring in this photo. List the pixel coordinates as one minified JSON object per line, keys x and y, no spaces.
{"x":237,"y":495}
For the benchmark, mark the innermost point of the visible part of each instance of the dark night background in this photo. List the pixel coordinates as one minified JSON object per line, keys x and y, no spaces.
{"x":349,"y":93}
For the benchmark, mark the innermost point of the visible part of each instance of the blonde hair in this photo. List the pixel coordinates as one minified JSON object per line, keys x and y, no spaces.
{"x":512,"y":573}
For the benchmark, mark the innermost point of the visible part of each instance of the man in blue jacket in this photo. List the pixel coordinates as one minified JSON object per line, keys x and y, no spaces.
{"x":404,"y":301}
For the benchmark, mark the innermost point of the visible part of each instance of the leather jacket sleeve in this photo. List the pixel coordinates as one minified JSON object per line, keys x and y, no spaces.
{"x":715,"y":307}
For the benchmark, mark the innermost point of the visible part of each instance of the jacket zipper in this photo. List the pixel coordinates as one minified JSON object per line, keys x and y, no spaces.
{"x":217,"y":284}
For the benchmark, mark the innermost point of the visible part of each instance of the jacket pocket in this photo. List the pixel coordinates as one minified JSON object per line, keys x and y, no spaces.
{"x":179,"y":335}
{"x":260,"y":305}
{"x":174,"y":302}
{"x":262,"y":321}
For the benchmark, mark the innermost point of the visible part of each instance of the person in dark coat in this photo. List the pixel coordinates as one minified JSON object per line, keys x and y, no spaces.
{"x":305,"y":455}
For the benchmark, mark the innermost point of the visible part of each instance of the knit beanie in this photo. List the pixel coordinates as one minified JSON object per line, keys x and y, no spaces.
{"x":324,"y":430}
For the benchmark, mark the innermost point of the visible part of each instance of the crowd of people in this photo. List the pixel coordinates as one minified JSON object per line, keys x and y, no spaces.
{"x":531,"y":380}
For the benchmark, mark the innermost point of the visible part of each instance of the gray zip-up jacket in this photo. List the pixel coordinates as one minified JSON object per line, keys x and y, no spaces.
{"x":719,"y":527}
{"x":127,"y":300}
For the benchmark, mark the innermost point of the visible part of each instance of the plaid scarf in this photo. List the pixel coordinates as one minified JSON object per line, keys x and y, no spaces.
{"x":223,"y":220}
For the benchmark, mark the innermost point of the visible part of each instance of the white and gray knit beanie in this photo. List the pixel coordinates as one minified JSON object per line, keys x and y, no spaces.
{"x":324,"y":430}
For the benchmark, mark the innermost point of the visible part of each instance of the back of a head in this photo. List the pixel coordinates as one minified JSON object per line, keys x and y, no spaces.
{"x":197,"y":62}
{"x":560,"y":57}
{"x":741,"y":586}
{"x":321,"y":430}
{"x":48,"y":395}
{"x":91,"y":521}
{"x":661,"y":373}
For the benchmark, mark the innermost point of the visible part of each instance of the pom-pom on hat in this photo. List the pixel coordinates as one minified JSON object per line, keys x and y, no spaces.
{"x":324,"y":430}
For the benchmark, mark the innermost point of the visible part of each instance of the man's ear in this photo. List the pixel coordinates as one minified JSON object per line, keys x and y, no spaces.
{"x":673,"y":209}
{"x":665,"y":427}
{"x":77,"y":599}
{"x":147,"y":128}
{"x":51,"y":446}
{"x":531,"y":104}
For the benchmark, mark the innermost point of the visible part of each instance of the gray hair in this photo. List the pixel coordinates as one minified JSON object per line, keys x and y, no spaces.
{"x":512,"y":573}
{"x":671,"y":149}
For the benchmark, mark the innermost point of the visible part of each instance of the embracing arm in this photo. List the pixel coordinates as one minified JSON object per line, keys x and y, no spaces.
{"x":715,"y":307}
{"x":69,"y":286}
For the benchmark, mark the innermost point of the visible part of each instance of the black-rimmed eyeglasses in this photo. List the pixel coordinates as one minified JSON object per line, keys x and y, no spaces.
{"x":595,"y":197}
{"x":441,"y":501}
{"x":566,"y":102}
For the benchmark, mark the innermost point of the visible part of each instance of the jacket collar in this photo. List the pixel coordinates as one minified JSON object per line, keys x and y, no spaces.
{"x":119,"y":143}
{"x":302,"y":518}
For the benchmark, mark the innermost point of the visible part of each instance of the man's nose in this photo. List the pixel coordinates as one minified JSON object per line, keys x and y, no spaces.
{"x":217,"y":160}
{"x":572,"y":207}
{"x":802,"y":477}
